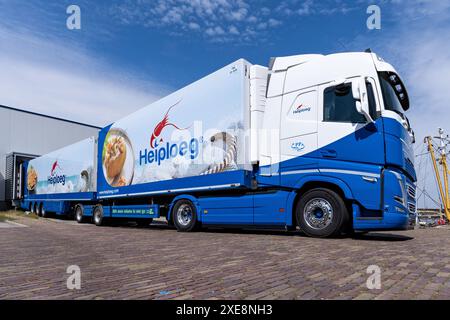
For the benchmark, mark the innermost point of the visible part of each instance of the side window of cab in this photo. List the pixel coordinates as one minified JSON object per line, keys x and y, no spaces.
{"x":339,"y":105}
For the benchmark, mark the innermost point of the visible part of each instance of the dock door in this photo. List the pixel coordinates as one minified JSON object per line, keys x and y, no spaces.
{"x":14,"y":179}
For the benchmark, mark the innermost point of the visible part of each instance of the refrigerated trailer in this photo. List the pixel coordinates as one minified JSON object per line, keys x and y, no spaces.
{"x":311,"y":141}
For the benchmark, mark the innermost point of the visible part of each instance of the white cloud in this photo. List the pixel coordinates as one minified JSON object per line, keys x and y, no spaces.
{"x":216,"y":31}
{"x":306,"y":8}
{"x":56,"y":79}
{"x":233,"y":30}
{"x":193,"y":26}
{"x":311,"y":7}
{"x":265,"y":11}
{"x":216,"y":20}
{"x":238,"y":15}
{"x":209,"y":17}
{"x":274,"y":22}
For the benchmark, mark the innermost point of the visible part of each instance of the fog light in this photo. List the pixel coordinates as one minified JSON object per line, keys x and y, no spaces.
{"x":399,"y":210}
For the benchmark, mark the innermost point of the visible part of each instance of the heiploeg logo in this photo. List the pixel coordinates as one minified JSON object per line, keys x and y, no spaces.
{"x":170,"y":151}
{"x":159,"y":153}
{"x":301,"y":108}
{"x":55,"y":178}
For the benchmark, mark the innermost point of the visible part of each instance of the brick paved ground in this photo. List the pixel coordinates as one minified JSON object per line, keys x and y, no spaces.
{"x":159,"y":263}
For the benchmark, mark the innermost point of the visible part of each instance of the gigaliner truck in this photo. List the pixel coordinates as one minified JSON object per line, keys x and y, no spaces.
{"x":318,"y":142}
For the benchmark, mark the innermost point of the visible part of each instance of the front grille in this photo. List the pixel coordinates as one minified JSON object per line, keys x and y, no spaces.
{"x":411,"y":191}
{"x":412,"y":207}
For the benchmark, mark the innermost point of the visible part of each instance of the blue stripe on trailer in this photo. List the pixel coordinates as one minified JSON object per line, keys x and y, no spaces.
{"x":225,"y":180}
{"x":76,"y":196}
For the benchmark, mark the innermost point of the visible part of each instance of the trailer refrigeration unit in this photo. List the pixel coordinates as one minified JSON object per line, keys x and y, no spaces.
{"x":316,"y":142}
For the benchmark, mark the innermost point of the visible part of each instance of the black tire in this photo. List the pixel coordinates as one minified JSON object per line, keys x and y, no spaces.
{"x":322,"y":213}
{"x":42,"y":211}
{"x":36,"y":209}
{"x":144,"y":222}
{"x":79,"y":214}
{"x":98,"y":216}
{"x":184,"y":216}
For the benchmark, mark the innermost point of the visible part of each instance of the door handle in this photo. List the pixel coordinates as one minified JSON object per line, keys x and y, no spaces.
{"x":329,"y":153}
{"x":370,"y":179}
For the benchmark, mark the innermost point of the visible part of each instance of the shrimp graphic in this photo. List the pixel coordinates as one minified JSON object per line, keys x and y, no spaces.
{"x":54,"y":167}
{"x":161,"y":125}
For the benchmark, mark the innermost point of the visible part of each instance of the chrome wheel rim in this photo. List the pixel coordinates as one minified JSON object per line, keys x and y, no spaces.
{"x":318,"y":213}
{"x":184,"y":215}
{"x":78,"y":214}
{"x":97,"y":217}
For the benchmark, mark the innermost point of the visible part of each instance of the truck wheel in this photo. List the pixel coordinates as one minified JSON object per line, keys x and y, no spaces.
{"x":42,"y":212}
{"x":98,"y":216}
{"x":184,"y":216}
{"x":79,"y":212}
{"x":321,"y":213}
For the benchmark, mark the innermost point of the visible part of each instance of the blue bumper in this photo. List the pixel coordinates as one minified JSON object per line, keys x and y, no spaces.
{"x":390,"y":221}
{"x":399,"y":204}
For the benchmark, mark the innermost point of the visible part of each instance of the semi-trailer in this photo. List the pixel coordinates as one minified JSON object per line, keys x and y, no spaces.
{"x":319,"y":142}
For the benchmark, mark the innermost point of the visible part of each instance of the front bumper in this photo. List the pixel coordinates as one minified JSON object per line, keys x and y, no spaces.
{"x":389,"y":221}
{"x":399,"y":205}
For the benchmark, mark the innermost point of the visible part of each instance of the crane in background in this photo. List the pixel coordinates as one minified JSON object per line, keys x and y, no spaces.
{"x":440,"y":168}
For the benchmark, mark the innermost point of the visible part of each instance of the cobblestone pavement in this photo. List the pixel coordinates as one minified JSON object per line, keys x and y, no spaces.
{"x":125,"y":262}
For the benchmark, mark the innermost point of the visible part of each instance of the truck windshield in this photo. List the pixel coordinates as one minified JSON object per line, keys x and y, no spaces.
{"x":394,"y":93}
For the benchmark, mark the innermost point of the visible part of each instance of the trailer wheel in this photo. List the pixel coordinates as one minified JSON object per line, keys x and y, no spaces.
{"x":184,"y":216}
{"x":79,"y":213}
{"x":36,"y":209}
{"x":98,"y":216}
{"x":42,"y":211}
{"x":321,"y":213}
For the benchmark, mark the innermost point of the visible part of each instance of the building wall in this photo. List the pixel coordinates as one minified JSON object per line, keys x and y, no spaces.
{"x":30,"y":133}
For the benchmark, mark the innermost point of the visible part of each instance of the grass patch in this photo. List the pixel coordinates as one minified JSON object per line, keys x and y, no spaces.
{"x":14,"y":215}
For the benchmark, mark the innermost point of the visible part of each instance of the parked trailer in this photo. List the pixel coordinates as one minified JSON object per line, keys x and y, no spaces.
{"x":58,"y":179}
{"x":312,"y":141}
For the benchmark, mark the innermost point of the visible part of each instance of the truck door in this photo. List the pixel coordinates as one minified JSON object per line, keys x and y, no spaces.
{"x":298,"y":132}
{"x":348,"y":146}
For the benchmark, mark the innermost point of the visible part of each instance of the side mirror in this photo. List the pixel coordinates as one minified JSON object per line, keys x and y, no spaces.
{"x":413,"y":136}
{"x":359,"y":91}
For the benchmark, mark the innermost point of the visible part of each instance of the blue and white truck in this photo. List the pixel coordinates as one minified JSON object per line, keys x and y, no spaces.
{"x":319,"y":142}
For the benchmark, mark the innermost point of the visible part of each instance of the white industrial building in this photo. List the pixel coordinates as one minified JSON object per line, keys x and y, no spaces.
{"x":25,"y":135}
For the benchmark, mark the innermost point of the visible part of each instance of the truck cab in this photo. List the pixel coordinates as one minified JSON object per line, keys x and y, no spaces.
{"x":340,"y":125}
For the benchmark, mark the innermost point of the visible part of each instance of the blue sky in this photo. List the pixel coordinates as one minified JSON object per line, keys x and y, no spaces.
{"x":129,"y":53}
